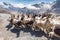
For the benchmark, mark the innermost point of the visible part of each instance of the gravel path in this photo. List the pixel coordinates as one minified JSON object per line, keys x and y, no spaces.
{"x":14,"y":34}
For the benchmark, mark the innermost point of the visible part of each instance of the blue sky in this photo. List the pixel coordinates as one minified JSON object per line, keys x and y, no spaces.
{"x":26,"y":1}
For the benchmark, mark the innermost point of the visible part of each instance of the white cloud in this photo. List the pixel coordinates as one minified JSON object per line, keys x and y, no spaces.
{"x":29,"y":6}
{"x":50,"y":2}
{"x":19,"y":5}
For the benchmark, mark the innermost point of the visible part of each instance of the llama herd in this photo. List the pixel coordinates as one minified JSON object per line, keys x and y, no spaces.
{"x":45,"y":22}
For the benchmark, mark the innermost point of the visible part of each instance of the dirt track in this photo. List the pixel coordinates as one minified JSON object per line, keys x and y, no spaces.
{"x":9,"y":33}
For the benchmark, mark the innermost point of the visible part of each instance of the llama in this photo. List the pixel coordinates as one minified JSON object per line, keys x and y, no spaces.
{"x":56,"y":29}
{"x":42,"y":23}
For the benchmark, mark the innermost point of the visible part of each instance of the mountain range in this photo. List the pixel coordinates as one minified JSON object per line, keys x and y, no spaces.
{"x":34,"y":8}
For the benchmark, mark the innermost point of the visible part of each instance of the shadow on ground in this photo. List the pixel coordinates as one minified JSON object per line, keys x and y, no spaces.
{"x":17,"y":31}
{"x":9,"y":26}
{"x":35,"y":33}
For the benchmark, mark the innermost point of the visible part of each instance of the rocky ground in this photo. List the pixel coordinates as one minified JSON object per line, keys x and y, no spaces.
{"x":9,"y":33}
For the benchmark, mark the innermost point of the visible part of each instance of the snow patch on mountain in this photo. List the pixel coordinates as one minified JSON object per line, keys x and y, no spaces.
{"x":47,"y":6}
